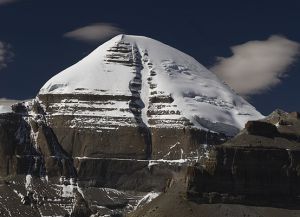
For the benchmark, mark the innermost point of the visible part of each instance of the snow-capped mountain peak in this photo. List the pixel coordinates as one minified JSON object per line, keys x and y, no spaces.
{"x":166,"y":85}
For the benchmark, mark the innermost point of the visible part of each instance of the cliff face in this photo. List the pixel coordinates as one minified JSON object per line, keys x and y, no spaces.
{"x":259,"y":166}
{"x":84,"y":129}
{"x":29,"y":146}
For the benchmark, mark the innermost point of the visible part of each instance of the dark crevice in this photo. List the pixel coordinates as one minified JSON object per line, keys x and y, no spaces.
{"x":136,"y":103}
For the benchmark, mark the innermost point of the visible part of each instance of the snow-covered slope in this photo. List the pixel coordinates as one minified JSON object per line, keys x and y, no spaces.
{"x":169,"y":84}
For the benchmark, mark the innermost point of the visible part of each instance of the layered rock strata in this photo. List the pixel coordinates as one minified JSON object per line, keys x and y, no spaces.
{"x":260,"y":166}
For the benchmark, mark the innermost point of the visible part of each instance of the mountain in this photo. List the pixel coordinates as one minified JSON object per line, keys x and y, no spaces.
{"x":166,"y":84}
{"x":111,"y":132}
{"x":141,"y":91}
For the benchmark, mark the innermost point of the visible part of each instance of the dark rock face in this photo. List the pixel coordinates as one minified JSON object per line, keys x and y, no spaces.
{"x":260,"y":166}
{"x":29,"y":146}
{"x":257,"y":175}
{"x":19,"y":154}
{"x":9,"y":125}
{"x":261,"y":128}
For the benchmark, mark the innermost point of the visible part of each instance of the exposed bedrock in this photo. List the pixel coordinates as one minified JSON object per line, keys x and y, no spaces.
{"x":126,"y":174}
{"x":260,"y":166}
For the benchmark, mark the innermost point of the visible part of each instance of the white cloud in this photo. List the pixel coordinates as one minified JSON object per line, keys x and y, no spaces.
{"x":5,"y":104}
{"x":256,"y":66}
{"x":94,"y":33}
{"x":6,"y":54}
{"x":4,"y":109}
{"x":2,"y":2}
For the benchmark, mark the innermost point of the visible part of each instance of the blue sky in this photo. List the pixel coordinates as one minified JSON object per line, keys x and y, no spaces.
{"x":33,"y":36}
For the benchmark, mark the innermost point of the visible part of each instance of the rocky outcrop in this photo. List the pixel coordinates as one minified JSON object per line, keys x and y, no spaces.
{"x":260,"y":166}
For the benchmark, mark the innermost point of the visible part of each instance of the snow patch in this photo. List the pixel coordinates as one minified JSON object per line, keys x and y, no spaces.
{"x":28,"y":182}
{"x":151,"y":163}
{"x":67,"y":190}
{"x":147,"y":199}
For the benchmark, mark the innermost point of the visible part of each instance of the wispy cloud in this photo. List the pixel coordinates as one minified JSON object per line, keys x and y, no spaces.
{"x":257,"y":66}
{"x":3,"y":2}
{"x":6,"y":54}
{"x":94,"y":33}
